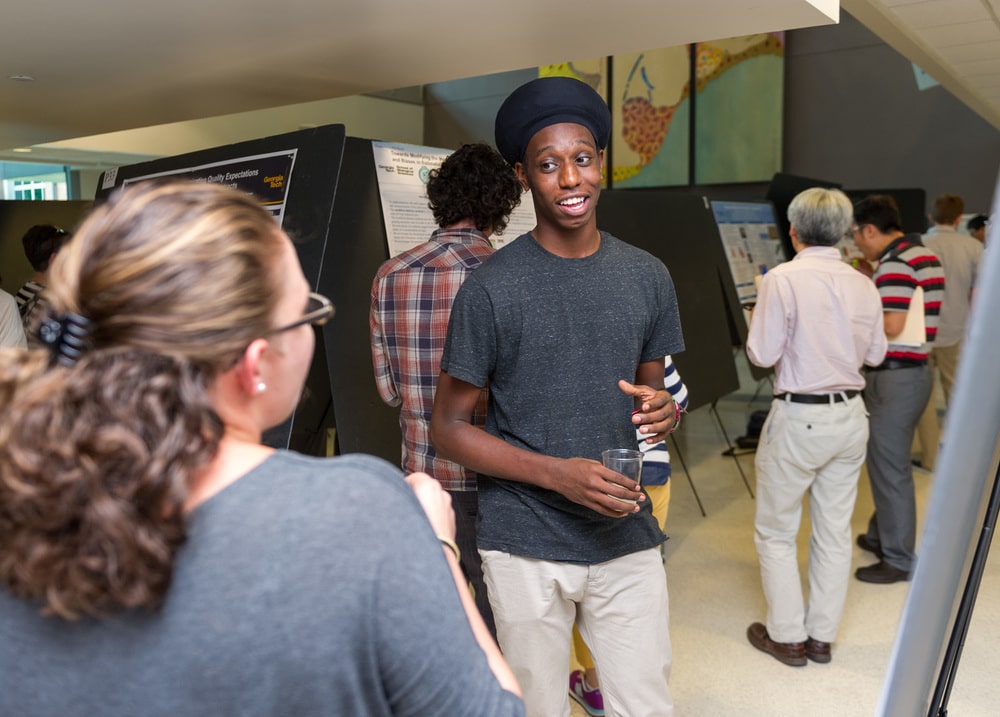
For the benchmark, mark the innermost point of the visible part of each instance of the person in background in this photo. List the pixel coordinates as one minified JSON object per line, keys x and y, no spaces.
{"x":472,"y":196}
{"x":959,"y":255}
{"x":41,"y":244}
{"x":818,"y":322}
{"x":656,"y":459}
{"x":977,"y":227}
{"x":157,"y":558}
{"x":584,"y":684}
{"x":559,"y":324}
{"x":897,"y":390}
{"x":11,"y":328}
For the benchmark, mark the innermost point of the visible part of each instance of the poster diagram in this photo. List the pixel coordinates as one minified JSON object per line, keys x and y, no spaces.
{"x":750,"y":238}
{"x":266,"y":176}
{"x":402,"y":171}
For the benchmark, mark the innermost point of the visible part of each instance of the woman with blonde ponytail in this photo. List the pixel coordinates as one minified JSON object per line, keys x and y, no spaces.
{"x":155,"y":557}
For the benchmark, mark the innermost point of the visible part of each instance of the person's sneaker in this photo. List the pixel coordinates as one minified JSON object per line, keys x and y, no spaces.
{"x":589,"y":698}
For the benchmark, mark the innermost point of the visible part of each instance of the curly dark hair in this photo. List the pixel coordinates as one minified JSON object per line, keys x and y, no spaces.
{"x":474,"y":183}
{"x":96,"y":459}
{"x":40,"y":242}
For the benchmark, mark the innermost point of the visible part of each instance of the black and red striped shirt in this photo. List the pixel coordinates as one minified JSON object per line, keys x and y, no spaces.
{"x":904,"y":265}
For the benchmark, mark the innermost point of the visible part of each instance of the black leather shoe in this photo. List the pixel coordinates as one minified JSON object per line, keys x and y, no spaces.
{"x":881,"y":573}
{"x":865,"y":544}
{"x":817,"y":650}
{"x":791,"y":653}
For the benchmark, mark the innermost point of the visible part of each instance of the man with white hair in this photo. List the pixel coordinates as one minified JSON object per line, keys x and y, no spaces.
{"x":817,"y":321}
{"x":11,"y":331}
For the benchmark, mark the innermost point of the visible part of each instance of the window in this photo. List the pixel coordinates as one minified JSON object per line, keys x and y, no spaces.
{"x":25,"y":181}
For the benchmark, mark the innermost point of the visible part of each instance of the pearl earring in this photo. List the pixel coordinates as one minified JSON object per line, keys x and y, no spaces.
{"x":261,"y":387}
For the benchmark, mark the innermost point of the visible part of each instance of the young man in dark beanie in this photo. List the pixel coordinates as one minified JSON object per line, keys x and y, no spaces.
{"x":568,"y":326}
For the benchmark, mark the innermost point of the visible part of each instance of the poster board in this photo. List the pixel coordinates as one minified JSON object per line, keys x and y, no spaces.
{"x":912,"y":205}
{"x":679,"y":230}
{"x":295,"y":175}
{"x":402,"y":172}
{"x":781,"y":191}
{"x":751,"y":239}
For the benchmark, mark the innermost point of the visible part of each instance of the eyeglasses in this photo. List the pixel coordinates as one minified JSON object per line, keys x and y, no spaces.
{"x":319,"y":310}
{"x":855,"y":228}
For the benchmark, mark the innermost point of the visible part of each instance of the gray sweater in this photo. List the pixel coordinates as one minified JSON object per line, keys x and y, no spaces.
{"x":308,"y":587}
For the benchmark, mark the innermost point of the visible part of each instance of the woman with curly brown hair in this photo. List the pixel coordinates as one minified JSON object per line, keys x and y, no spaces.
{"x":155,"y":557}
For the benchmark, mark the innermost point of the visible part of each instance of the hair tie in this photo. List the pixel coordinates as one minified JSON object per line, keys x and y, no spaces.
{"x":65,"y":336}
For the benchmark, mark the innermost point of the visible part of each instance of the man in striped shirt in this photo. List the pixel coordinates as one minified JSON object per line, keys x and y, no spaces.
{"x":897,"y":390}
{"x":41,"y":244}
{"x":656,"y":459}
{"x":471,"y":196}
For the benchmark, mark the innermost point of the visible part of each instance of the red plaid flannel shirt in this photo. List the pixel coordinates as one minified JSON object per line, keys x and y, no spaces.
{"x":412,"y":296}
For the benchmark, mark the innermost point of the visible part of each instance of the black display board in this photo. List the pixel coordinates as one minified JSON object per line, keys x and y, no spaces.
{"x":296,"y":176}
{"x":781,"y":191}
{"x":912,"y":205}
{"x":783,"y":188}
{"x":680,"y":230}
{"x":356,"y":249}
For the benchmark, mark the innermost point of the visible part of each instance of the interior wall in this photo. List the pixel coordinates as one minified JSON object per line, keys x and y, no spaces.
{"x":463,"y":111}
{"x":853,"y":115}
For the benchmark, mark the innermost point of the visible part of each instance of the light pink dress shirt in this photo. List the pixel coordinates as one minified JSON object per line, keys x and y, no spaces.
{"x":817,"y":321}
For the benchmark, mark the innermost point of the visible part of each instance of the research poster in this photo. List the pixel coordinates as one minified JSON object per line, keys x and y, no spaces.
{"x":266,"y":176}
{"x":750,"y":238}
{"x":403,"y":171}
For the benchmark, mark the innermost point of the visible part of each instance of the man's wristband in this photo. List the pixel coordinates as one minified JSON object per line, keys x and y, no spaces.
{"x":450,"y":544}
{"x":677,"y":417}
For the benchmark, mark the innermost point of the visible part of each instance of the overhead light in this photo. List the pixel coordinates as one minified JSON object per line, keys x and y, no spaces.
{"x":21,"y":78}
{"x":22,"y":150}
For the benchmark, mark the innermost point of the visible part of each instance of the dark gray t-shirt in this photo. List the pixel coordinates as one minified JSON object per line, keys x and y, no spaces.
{"x":308,"y":587}
{"x":552,"y":337}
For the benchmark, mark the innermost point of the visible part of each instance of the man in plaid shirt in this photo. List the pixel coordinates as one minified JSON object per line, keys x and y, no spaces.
{"x":472,"y":196}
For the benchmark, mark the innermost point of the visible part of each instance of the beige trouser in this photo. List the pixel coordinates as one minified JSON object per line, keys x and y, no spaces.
{"x":659,"y":496}
{"x":816,"y":450}
{"x":945,"y":360}
{"x":621,"y":608}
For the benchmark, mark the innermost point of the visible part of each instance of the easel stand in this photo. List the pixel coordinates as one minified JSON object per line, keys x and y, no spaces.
{"x":680,"y":456}
{"x":949,"y":665}
{"x":731,"y":450}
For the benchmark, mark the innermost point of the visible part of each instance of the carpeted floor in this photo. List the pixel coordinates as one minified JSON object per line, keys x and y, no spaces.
{"x":715,"y":593}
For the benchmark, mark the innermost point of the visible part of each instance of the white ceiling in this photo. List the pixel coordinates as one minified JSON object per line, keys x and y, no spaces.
{"x":111,"y":65}
{"x":955,"y":41}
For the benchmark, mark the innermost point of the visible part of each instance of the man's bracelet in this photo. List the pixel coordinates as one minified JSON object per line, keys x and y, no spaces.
{"x":450,"y":544}
{"x":677,"y":417}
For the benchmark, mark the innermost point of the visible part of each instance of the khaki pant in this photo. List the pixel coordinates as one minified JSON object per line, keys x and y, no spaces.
{"x":659,"y":496}
{"x":814,"y":449}
{"x":943,"y":361}
{"x":621,"y":607}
